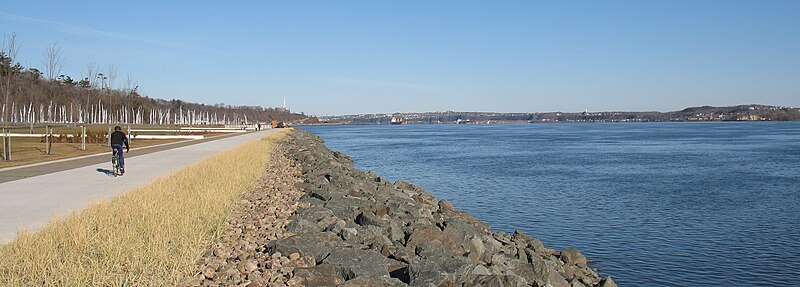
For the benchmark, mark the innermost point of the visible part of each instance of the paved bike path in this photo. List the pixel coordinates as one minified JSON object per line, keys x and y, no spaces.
{"x":30,"y":203}
{"x":19,"y":172}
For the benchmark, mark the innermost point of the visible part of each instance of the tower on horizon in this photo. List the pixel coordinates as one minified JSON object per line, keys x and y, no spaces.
{"x":283,"y":108}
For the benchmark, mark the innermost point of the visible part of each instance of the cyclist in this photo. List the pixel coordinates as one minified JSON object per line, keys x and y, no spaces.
{"x":118,"y":138}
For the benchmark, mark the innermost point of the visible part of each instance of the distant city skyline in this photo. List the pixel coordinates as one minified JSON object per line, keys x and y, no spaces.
{"x":357,"y":57}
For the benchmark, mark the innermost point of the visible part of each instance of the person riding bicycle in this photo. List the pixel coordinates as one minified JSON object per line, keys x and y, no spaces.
{"x":118,"y":138}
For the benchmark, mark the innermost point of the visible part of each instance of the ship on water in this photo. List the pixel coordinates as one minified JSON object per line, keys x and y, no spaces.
{"x":396,"y":121}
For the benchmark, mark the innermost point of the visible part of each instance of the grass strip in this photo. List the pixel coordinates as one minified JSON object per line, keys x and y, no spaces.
{"x":150,"y":236}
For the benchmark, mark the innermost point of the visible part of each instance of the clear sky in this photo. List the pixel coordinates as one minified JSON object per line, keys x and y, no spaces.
{"x":347,"y":57}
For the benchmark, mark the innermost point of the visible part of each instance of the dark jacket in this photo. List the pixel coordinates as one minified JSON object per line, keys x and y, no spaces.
{"x":118,"y":137}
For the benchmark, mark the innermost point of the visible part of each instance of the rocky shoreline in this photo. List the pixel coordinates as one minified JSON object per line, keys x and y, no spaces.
{"x":340,"y":226}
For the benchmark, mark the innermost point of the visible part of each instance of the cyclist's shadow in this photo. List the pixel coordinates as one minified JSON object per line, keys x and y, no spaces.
{"x":106,"y":171}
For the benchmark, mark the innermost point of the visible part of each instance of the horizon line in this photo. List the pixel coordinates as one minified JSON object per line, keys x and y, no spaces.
{"x":540,"y":112}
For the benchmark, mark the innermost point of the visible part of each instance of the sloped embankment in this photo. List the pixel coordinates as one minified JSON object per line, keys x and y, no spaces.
{"x":352,"y":228}
{"x":364,"y":231}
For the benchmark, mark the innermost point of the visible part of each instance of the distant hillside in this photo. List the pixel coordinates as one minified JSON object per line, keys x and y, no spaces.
{"x":705,"y":113}
{"x":27,"y":96}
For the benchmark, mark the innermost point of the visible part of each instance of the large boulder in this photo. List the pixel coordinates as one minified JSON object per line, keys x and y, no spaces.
{"x":495,"y":281}
{"x":395,"y":233}
{"x":347,"y":208}
{"x":460,"y":230}
{"x":311,"y":219}
{"x":556,"y":280}
{"x":361,"y":262}
{"x":299,"y":225}
{"x":543,"y":271}
{"x":520,"y":236}
{"x":537,"y":246}
{"x":476,"y":250}
{"x":434,"y":235}
{"x":405,"y":185}
{"x":318,"y":245}
{"x":607,"y":282}
{"x":521,"y":268}
{"x":373,"y":281}
{"x":320,"y":275}
{"x":427,"y":273}
{"x":446,"y":206}
{"x":572,"y":256}
{"x":368,"y":218}
{"x":369,"y":235}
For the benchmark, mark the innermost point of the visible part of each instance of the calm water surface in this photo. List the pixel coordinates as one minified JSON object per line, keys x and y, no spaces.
{"x":655,"y":204}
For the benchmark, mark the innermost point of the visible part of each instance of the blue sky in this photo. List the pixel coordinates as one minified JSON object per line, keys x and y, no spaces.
{"x":347,"y":57}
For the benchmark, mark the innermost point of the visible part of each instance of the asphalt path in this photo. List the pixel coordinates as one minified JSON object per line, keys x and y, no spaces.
{"x":32,"y":196}
{"x":19,"y":172}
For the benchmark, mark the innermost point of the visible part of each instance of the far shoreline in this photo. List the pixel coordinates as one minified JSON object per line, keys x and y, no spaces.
{"x":541,"y":123}
{"x":748,"y":112}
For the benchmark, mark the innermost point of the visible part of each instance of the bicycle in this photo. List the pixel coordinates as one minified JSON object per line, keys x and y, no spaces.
{"x":117,"y":170}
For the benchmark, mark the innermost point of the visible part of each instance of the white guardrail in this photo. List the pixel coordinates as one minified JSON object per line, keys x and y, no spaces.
{"x":190,"y":131}
{"x":141,"y":137}
{"x":164,"y":137}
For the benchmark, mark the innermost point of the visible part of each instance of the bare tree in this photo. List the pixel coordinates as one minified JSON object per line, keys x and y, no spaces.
{"x":131,"y":83}
{"x":112,"y":75}
{"x":91,"y":73}
{"x":8,"y":56}
{"x":53,"y":61}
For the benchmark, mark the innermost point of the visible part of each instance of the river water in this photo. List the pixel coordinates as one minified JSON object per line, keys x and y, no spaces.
{"x":654,"y":204}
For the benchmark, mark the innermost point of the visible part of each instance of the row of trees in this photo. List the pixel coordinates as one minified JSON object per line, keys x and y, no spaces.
{"x":31,"y":95}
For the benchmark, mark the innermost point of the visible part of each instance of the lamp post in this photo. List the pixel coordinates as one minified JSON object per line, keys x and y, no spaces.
{"x":86,"y":114}
{"x":103,"y":79}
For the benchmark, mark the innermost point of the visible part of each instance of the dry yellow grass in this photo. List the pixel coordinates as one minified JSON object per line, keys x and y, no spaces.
{"x":150,"y":236}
